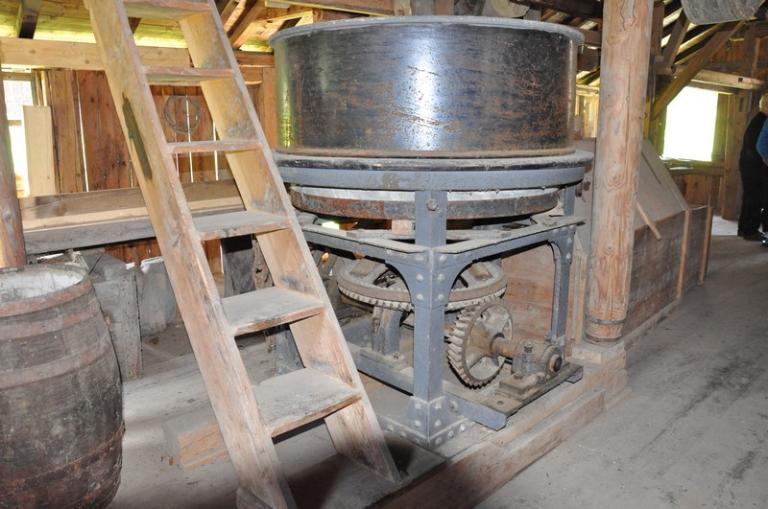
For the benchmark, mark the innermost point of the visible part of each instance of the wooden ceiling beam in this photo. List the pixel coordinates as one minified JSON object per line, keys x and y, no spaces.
{"x":727,"y":80}
{"x":369,"y":7}
{"x":693,"y":66}
{"x":85,"y":56}
{"x":26,"y":19}
{"x":580,"y":8}
{"x":263,"y":29}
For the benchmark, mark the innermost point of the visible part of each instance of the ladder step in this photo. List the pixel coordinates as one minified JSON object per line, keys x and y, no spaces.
{"x":202,"y":147}
{"x":286,"y":402}
{"x":268,"y":307}
{"x":165,"y":9}
{"x":297,"y":398}
{"x":184,"y":76}
{"x":235,"y":224}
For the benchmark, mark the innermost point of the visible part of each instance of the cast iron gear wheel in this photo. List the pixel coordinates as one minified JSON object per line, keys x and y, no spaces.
{"x":470,"y":339}
{"x":376,"y":284}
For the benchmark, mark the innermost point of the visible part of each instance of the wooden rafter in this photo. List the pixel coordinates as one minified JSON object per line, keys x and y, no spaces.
{"x":26,"y":19}
{"x":676,"y":39}
{"x":693,"y":66}
{"x":231,"y":11}
{"x":244,"y":30}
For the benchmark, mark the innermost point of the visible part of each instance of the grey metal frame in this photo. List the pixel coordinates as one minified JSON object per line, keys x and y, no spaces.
{"x":438,"y":410}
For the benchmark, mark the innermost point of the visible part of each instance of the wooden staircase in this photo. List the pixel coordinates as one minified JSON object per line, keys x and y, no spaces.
{"x":328,"y":387}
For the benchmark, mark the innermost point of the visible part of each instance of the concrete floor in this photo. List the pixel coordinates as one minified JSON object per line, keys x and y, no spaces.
{"x":693,"y":431}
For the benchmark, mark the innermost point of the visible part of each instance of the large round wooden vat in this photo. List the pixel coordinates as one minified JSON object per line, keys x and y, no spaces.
{"x":426,"y":86}
{"x":61,"y":417}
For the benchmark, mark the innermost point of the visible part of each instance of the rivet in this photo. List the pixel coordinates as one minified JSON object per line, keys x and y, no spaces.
{"x":419,"y":296}
{"x":440,"y":298}
{"x":438,"y":440}
{"x":438,"y":423}
{"x":463,"y":428}
{"x":417,"y":406}
{"x":451,"y":434}
{"x":390,"y":427}
{"x":417,"y":423}
{"x":442,"y":258}
{"x":419,"y":277}
{"x":441,"y":277}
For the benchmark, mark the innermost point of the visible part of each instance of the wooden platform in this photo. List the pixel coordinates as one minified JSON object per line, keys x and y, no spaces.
{"x":479,"y":461}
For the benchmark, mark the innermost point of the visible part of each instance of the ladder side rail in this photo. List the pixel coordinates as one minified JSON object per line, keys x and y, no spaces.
{"x":226,"y":380}
{"x":354,"y":430}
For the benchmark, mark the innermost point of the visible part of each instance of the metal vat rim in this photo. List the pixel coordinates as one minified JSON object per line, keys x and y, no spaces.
{"x":477,"y":21}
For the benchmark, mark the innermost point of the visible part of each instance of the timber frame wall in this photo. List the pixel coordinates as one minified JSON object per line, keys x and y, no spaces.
{"x":90,"y":152}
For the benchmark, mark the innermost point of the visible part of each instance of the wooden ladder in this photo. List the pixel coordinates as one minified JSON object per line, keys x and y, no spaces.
{"x":328,"y":387}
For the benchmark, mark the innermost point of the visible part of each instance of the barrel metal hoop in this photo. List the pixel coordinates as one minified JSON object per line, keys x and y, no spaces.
{"x":54,"y":368}
{"x":46,"y":301}
{"x":36,"y":328}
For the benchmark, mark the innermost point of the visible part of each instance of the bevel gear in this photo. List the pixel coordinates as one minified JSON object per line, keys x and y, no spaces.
{"x":375,"y":283}
{"x":470,"y":342}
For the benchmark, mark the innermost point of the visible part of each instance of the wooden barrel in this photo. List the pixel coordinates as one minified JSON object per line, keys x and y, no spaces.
{"x":61,"y":405}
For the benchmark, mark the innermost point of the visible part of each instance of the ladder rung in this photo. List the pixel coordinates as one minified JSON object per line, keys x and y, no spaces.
{"x":184,"y":76}
{"x":202,"y":147}
{"x":268,"y":307}
{"x":235,"y":224}
{"x":165,"y":9}
{"x":297,"y":398}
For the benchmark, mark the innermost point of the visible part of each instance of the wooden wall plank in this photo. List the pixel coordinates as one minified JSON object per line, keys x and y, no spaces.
{"x":655,"y":270}
{"x":106,"y":154}
{"x":65,"y":110}
{"x":38,"y":131}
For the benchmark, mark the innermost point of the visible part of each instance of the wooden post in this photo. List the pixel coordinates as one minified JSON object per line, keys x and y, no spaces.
{"x":623,"y":79}
{"x":11,"y":234}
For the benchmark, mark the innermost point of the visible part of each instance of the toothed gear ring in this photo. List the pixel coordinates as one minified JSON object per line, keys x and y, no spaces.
{"x":470,"y":340}
{"x":377,"y":284}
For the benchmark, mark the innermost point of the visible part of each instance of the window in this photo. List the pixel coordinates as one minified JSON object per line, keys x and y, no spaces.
{"x":19,"y":92}
{"x":690,"y":129}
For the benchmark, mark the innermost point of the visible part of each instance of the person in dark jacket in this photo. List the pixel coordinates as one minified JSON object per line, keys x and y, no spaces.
{"x":754,"y":180}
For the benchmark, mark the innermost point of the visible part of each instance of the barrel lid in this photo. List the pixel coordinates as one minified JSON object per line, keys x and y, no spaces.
{"x":477,"y":21}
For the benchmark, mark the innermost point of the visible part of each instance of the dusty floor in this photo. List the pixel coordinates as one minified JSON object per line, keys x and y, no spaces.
{"x":693,"y":431}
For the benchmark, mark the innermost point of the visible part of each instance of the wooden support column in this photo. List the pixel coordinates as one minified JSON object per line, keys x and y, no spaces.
{"x":26,"y":19}
{"x":623,"y":80}
{"x":11,"y":233}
